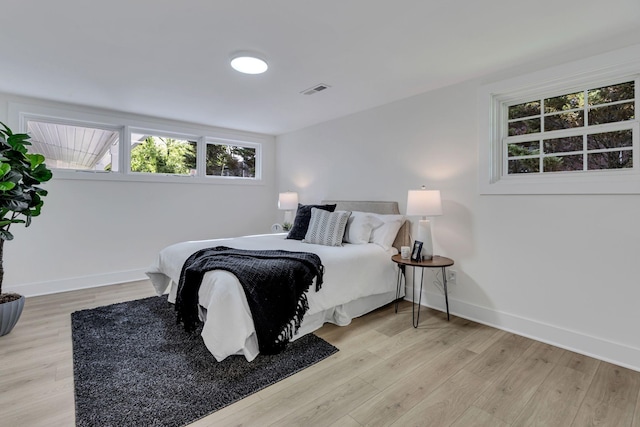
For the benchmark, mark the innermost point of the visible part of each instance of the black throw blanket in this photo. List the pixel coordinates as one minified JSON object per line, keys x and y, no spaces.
{"x":274,"y":282}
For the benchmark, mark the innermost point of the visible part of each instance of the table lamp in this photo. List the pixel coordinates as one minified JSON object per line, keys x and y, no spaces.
{"x":288,"y":202}
{"x":424,"y":203}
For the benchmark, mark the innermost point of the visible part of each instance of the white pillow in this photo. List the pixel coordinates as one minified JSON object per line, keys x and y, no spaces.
{"x":385,"y":234}
{"x":360,"y":226}
{"x":326,"y":228}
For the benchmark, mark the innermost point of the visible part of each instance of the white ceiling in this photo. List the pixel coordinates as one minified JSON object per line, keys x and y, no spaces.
{"x":170,"y":58}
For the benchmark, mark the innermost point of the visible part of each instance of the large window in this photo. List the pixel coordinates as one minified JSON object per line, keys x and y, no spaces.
{"x":179,"y":154}
{"x":583,"y":131}
{"x":570,"y":129}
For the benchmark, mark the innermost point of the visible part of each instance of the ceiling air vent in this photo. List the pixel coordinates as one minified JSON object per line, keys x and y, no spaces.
{"x":315,"y":89}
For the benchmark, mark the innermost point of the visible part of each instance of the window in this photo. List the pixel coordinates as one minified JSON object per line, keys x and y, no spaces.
{"x":80,"y":140}
{"x":589,"y":130}
{"x":230,"y":160}
{"x":67,"y":146}
{"x":152,"y":153}
{"x":570,"y":129}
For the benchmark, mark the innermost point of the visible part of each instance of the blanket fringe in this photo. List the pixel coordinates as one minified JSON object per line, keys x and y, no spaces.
{"x":290,"y":328}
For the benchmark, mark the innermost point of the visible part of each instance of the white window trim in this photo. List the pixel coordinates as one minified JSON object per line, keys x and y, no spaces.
{"x":20,"y":112}
{"x":612,"y":66}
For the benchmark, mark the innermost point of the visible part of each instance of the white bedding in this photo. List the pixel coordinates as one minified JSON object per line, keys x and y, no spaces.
{"x":352,"y":272}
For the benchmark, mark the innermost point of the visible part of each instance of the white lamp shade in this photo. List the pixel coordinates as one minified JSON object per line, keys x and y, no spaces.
{"x":424,"y":203}
{"x":288,"y":201}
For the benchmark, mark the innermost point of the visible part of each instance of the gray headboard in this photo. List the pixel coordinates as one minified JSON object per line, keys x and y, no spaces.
{"x":385,"y":208}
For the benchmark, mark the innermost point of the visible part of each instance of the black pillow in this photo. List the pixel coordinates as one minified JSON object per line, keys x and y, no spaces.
{"x":303,"y":216}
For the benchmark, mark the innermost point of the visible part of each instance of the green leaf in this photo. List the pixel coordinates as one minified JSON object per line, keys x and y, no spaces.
{"x":19,"y":141}
{"x":4,"y":168}
{"x":41,"y":173}
{"x":35,"y":159}
{"x":6,"y":186}
{"x":6,"y":130}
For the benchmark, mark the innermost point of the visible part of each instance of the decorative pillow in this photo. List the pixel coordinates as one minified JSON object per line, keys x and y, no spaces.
{"x":360,"y":226}
{"x":385,"y":234}
{"x":301,"y":221}
{"x":326,"y":228}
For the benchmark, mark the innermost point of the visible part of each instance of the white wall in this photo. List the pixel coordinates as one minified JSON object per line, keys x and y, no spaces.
{"x":562,"y":269}
{"x":93,"y":233}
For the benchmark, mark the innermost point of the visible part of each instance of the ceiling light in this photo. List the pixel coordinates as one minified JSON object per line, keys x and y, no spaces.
{"x":249,"y":64}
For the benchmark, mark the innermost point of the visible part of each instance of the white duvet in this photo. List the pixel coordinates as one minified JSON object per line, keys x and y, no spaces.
{"x":351,"y":273}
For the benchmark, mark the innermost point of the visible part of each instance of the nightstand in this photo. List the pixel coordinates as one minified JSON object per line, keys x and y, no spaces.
{"x":437,"y":262}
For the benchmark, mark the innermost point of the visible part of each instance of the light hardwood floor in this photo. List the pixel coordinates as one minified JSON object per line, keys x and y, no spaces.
{"x":456,"y":373}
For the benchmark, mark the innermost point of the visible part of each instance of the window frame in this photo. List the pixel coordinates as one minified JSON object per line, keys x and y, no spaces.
{"x":493,"y":102}
{"x":20,"y":112}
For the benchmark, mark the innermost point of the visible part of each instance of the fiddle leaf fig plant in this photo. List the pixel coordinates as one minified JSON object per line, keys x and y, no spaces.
{"x":21,"y":173}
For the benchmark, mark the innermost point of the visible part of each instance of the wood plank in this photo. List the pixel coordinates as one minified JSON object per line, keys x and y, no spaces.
{"x":579,"y":362}
{"x":615,"y":386}
{"x":346,"y":421}
{"x":277,"y":405}
{"x":491,"y":363}
{"x":330,"y":407}
{"x":476,"y":417}
{"x":391,"y":403}
{"x":507,"y":397}
{"x":445,"y":404}
{"x":546,"y":409}
{"x":593,"y":412}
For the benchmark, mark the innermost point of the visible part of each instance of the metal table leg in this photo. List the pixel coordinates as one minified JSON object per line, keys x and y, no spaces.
{"x":446,"y":293}
{"x":401,"y":274}
{"x":416,"y":320}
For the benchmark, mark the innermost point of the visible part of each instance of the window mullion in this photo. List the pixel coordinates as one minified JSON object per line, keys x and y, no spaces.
{"x":124,"y":160}
{"x":201,"y":157}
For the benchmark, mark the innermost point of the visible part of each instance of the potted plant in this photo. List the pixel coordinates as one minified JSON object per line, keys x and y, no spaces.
{"x":20,"y":200}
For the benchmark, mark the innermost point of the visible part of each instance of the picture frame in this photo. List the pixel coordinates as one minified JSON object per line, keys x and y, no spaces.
{"x":416,"y":253}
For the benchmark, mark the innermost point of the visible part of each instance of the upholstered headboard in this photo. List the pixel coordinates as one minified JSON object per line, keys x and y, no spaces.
{"x":385,"y":208}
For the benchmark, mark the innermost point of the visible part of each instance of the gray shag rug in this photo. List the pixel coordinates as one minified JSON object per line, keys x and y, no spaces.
{"x":134,"y":366}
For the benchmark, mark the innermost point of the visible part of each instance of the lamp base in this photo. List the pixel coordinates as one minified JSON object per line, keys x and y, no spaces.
{"x":424,"y":235}
{"x":288,"y":217}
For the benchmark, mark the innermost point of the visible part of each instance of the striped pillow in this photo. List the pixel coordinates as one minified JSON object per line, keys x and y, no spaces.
{"x":326,"y":228}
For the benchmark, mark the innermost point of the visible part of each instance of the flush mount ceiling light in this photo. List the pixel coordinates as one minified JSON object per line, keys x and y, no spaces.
{"x":248,"y":63}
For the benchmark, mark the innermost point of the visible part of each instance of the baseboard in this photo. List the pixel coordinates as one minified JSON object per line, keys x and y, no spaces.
{"x":76,"y":283}
{"x":598,"y":348}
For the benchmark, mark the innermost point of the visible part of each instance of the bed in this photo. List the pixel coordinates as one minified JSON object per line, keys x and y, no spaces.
{"x":358,"y":278}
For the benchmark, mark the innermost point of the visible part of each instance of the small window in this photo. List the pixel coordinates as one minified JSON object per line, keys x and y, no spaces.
{"x":230,"y":160}
{"x":162,"y":154}
{"x":67,"y":146}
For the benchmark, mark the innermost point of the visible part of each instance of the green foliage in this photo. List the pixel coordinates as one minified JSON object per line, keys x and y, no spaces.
{"x":20,"y":175}
{"x":167,"y":156}
{"x":229,"y":160}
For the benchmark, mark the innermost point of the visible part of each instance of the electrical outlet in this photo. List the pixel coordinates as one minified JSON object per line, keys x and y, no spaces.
{"x":452,"y":275}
